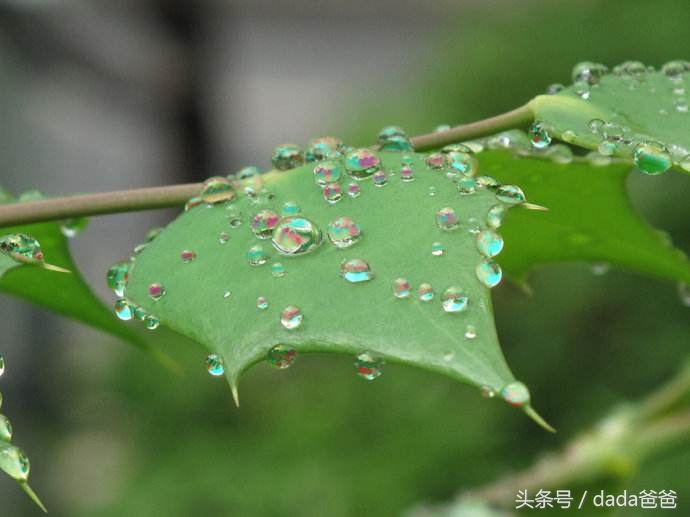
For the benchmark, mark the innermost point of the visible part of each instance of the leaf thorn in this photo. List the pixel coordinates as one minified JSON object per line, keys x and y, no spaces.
{"x":532,"y":206}
{"x":530,"y":412}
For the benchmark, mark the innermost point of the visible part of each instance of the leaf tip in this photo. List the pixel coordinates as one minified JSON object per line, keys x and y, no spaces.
{"x":533,"y":206}
{"x":531,"y":412}
{"x":32,"y":495}
{"x":235,"y":394}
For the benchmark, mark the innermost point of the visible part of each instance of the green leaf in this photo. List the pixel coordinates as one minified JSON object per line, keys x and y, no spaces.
{"x":63,"y":293}
{"x":590,"y":218}
{"x":398,"y":229}
{"x":649,"y":105}
{"x":15,"y":464}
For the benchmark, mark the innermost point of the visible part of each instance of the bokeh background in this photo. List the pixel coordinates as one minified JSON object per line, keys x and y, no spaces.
{"x":108,"y":95}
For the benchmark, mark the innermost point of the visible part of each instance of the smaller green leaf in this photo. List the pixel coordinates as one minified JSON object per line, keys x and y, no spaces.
{"x":15,"y":464}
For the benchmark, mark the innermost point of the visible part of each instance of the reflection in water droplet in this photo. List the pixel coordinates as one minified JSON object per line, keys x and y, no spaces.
{"x":117,"y":277}
{"x":447,"y":219}
{"x":401,"y":288}
{"x":436,"y":161}
{"x":425,"y":292}
{"x":217,"y":190}
{"x":379,"y":178}
{"x":296,"y":235}
{"x":287,"y":156}
{"x":652,"y":158}
{"x":124,"y":310}
{"x":454,"y":300}
{"x":291,"y":317}
{"x":261,"y":303}
{"x":277,"y":269}
{"x":463,"y":162}
{"x":282,"y":356}
{"x":397,"y":144}
{"x":14,"y":462}
{"x":327,"y":172}
{"x":368,"y":365}
{"x":263,"y":224}
{"x":515,"y":394}
{"x":140,"y":313}
{"x":489,"y":273}
{"x":362,"y":163}
{"x":539,"y":136}
{"x":332,"y":193}
{"x":437,"y":249}
{"x":470,"y":332}
{"x":215,"y":365}
{"x":187,"y":256}
{"x":343,"y":232}
{"x":256,"y":256}
{"x":156,"y":291}
{"x":495,"y":216}
{"x":21,"y":247}
{"x":5,"y":429}
{"x":407,"y":174}
{"x":489,"y":243}
{"x":353,"y":190}
{"x":324,"y":147}
{"x":510,"y":194}
{"x":356,"y":271}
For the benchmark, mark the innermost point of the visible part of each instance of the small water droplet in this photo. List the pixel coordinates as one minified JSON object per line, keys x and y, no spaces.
{"x":227,"y":294}
{"x":332,"y":193}
{"x":401,"y":288}
{"x":515,"y":394}
{"x":388,"y":132}
{"x":437,"y":249}
{"x":353,"y":190}
{"x":470,"y":332}
{"x":277,"y":269}
{"x":287,"y":156}
{"x":397,"y":144}
{"x":15,"y":463}
{"x":215,"y":365}
{"x":607,"y":147}
{"x":600,"y":268}
{"x":343,"y":232}
{"x":510,"y":194}
{"x":379,"y":178}
{"x":256,"y":256}
{"x":495,"y":215}
{"x":454,"y":300}
{"x":489,"y":243}
{"x":652,"y":158}
{"x":448,"y":356}
{"x":554,"y":88}
{"x":5,"y":429}
{"x":356,"y":271}
{"x":463,"y":162}
{"x":72,"y":227}
{"x":683,"y":294}
{"x":466,"y":185}
{"x":261,"y":303}
{"x":290,"y":208}
{"x":406,"y":174}
{"x":447,"y":219}
{"x":327,"y":172}
{"x":296,"y":235}
{"x":156,"y":291}
{"x":486,"y":182}
{"x":596,"y":126}
{"x":2,"y":365}
{"x":187,"y":256}
{"x":368,"y":365}
{"x":139,"y":313}
{"x":432,"y":191}
{"x":560,"y":153}
{"x":291,"y":317}
{"x":489,"y":273}
{"x":539,"y":136}
{"x":263,"y":224}
{"x":425,"y":292}
{"x":21,"y":247}
{"x":569,"y":136}
{"x":487,"y":392}
{"x":324,"y":147}
{"x":436,"y":161}
{"x":681,"y":105}
{"x":124,"y":310}
{"x":362,"y":163}
{"x":674,"y":70}
{"x":589,"y":72}
{"x":117,"y":277}
{"x":282,"y":356}
{"x":234,"y":216}
{"x":223,"y":237}
{"x":151,"y":322}
{"x":217,"y":190}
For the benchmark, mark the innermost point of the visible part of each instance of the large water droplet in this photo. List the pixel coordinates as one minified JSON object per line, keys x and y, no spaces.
{"x":515,"y":394}
{"x":5,"y":429}
{"x":447,"y":219}
{"x":256,"y":256}
{"x":489,"y":273}
{"x":390,"y":131}
{"x":287,"y":156}
{"x":21,"y":247}
{"x":463,"y":162}
{"x":117,"y":277}
{"x":124,"y":310}
{"x":263,"y":224}
{"x":14,"y":462}
{"x":425,"y":292}
{"x":362,"y":163}
{"x":401,"y":288}
{"x":588,"y":72}
{"x":327,"y":172}
{"x":368,"y":365}
{"x":397,"y":144}
{"x":156,"y":291}
{"x":489,"y":243}
{"x":343,"y":232}
{"x":291,"y":317}
{"x":324,"y":147}
{"x":454,"y":299}
{"x":217,"y":190}
{"x":282,"y":356}
{"x":215,"y":365}
{"x":296,"y":235}
{"x":510,"y":194}
{"x":539,"y":136}
{"x":356,"y":270}
{"x":652,"y":158}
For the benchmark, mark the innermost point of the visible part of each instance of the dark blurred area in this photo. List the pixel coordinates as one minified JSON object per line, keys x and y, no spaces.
{"x":99,"y":96}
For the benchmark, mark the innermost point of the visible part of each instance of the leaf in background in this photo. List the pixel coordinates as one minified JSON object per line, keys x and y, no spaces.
{"x":590,"y":218}
{"x":66,"y":294}
{"x":619,"y":112}
{"x":212,"y":296}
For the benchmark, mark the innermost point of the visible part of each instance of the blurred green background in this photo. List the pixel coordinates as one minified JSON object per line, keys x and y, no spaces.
{"x":112,"y":433}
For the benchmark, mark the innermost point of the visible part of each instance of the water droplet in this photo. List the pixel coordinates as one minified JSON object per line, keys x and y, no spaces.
{"x":117,"y":277}
{"x":291,"y":317}
{"x":447,"y":219}
{"x":600,"y":268}
{"x":215,"y":365}
{"x":223,"y":237}
{"x":379,"y":178}
{"x":217,"y":190}
{"x":466,"y":185}
{"x":681,"y":105}
{"x":554,"y":88}
{"x":21,"y":247}
{"x":486,"y":182}
{"x":448,"y":356}
{"x":489,"y":273}
{"x":256,"y":256}
{"x":489,"y":243}
{"x":425,"y":292}
{"x":454,"y":300}
{"x":596,"y":126}
{"x":343,"y":232}
{"x":139,"y":313}
{"x":588,"y":72}
{"x":436,"y":161}
{"x":156,"y":291}
{"x":675,"y":69}
{"x":634,"y":69}
{"x":324,"y":147}
{"x":487,"y":392}
{"x":515,"y":394}
{"x":368,"y":365}
{"x":234,"y":216}
{"x":683,"y":294}
{"x":2,"y":365}
{"x":652,"y":158}
{"x":287,"y":156}
{"x":296,"y":235}
{"x":463,"y":162}
{"x":123,"y":310}
{"x":282,"y":356}
{"x":277,"y":269}
{"x":263,"y":224}
{"x":261,"y":303}
{"x":353,"y":190}
{"x":356,"y":270}
{"x":72,"y":227}
{"x":388,"y":132}
{"x":407,"y":160}
{"x":685,"y":163}
{"x":539,"y":136}
{"x":151,"y":322}
{"x":14,"y":462}
{"x":597,"y":159}
{"x":245,"y":173}
{"x":515,"y":139}
{"x":5,"y":429}
{"x":560,"y":153}
{"x":569,"y":136}
{"x":332,"y":193}
{"x":327,"y":172}
{"x":437,"y":249}
{"x":191,"y":203}
{"x":401,"y":288}
{"x":227,"y":294}
{"x":406,"y":174}
{"x":470,"y":332}
{"x":397,"y":144}
{"x":432,"y":191}
{"x":607,"y":147}
{"x":510,"y":194}
{"x":362,"y":163}
{"x":187,"y":256}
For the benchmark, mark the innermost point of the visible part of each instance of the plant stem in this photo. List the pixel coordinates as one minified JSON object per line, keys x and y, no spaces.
{"x":175,"y":195}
